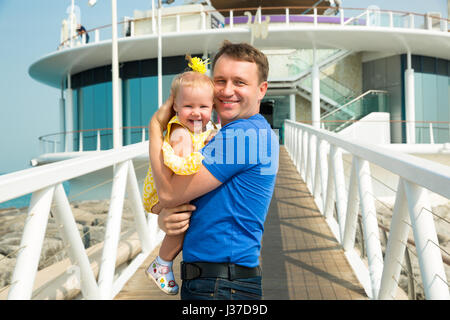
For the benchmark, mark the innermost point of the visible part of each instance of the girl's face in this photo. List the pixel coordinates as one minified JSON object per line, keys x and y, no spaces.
{"x":194,"y":106}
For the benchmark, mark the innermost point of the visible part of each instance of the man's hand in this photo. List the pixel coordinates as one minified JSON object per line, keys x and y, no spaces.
{"x":175,"y":221}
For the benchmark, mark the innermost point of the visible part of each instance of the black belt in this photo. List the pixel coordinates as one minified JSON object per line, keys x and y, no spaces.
{"x":231,"y":271}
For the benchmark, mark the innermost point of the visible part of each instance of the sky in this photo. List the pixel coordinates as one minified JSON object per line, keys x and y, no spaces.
{"x":30,"y":29}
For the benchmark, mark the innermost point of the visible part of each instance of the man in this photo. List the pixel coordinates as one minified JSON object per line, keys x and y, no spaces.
{"x":231,"y":192}
{"x":81,"y":30}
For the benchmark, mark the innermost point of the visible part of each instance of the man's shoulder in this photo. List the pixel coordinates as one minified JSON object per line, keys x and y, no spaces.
{"x":255,"y":121}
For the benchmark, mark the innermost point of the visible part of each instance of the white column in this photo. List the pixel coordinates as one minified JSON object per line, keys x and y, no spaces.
{"x":315,"y":92}
{"x":117,"y":110}
{"x":62,"y":118}
{"x":292,"y":106}
{"x":410,"y":104}
{"x":69,"y":115}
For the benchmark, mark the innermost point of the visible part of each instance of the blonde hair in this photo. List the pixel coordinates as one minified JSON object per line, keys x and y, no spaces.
{"x":190,"y":79}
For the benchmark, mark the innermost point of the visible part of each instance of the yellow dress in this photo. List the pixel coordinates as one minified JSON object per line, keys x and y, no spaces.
{"x":179,"y":165}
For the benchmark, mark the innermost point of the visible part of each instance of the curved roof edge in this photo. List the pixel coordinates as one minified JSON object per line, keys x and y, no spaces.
{"x":53,"y":68}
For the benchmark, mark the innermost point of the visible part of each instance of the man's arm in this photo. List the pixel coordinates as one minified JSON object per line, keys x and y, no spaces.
{"x":173,"y":189}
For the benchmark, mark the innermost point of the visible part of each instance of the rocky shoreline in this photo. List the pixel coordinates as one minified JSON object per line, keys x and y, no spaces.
{"x":91,"y":216}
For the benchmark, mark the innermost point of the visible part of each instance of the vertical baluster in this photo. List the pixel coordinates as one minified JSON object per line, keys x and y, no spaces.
{"x":99,"y":147}
{"x":287,"y":17}
{"x":395,"y":248}
{"x":31,"y":245}
{"x":370,"y":225}
{"x":231,"y":19}
{"x":77,"y":253}
{"x":429,"y":254}
{"x":112,"y":233}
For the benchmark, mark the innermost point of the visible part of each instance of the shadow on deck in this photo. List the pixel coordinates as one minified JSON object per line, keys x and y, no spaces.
{"x":300,"y":258}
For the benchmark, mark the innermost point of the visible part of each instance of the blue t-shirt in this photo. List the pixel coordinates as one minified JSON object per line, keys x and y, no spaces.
{"x":229,"y":221}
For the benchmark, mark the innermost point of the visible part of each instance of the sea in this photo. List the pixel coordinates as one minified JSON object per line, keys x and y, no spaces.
{"x":24,"y":201}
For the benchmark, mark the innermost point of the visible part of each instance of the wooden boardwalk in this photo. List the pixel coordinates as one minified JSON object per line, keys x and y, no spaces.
{"x":300,"y":258}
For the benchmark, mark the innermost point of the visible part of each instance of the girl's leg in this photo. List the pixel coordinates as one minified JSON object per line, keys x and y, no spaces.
{"x":171,"y":247}
{"x":160,"y":270}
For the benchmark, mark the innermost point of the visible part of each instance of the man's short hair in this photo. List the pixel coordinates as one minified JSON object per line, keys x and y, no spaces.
{"x":245,"y":52}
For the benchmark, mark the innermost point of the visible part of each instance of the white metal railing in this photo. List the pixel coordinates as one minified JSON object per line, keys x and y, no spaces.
{"x":317,"y":155}
{"x":368,"y":18}
{"x":61,"y":141}
{"x":45,"y":184}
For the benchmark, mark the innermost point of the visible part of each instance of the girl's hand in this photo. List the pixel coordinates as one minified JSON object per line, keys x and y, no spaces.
{"x":165,"y":113}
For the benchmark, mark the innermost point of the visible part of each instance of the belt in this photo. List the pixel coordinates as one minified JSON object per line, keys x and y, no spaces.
{"x":231,"y":271}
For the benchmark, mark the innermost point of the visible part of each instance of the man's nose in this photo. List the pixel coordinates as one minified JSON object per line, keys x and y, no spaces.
{"x":228,"y":89}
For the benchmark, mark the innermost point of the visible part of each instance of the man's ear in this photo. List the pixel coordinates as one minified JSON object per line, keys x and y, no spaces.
{"x":262,"y":89}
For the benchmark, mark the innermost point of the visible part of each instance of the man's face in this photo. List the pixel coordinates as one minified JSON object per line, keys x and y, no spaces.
{"x":237,"y":91}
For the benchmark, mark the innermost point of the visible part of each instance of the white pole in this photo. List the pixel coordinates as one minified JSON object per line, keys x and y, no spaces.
{"x":71,"y":235}
{"x":72,"y":9}
{"x":153,"y":17}
{"x":112,"y":232}
{"x":117,"y":112}
{"x":315,"y":94}
{"x":292,"y":115}
{"x":410,"y":102}
{"x":340,"y":189}
{"x":159,"y":57}
{"x":32,"y":239}
{"x":69,"y":114}
{"x":431,"y":133}
{"x":62,"y":119}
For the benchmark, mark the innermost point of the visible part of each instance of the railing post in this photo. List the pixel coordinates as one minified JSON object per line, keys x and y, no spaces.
{"x":427,"y":244}
{"x":351,"y":216}
{"x":64,"y":217}
{"x":138,"y":209}
{"x":97,"y":35}
{"x":342,"y":16}
{"x":391,"y":19}
{"x":80,"y":142}
{"x":98,"y":141}
{"x":411,"y":21}
{"x":132,"y":28}
{"x":315,"y":17}
{"x":112,"y":232}
{"x":339,"y":180}
{"x":431,"y":133}
{"x":370,"y":226}
{"x":178,"y":23}
{"x":203,"y":16}
{"x":31,"y":245}
{"x":287,"y":16}
{"x":395,"y":248}
{"x":143,"y":134}
{"x":231,"y":19}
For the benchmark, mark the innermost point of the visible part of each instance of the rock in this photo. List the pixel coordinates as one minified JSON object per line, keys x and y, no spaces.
{"x":6,"y":270}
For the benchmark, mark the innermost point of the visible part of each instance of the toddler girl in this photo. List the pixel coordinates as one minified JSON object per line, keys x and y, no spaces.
{"x":186,"y":134}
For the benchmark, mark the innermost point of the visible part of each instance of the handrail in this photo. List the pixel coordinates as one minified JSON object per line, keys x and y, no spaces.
{"x":204,"y":12}
{"x":45,"y":184}
{"x":352,"y":101}
{"x":322,"y":170}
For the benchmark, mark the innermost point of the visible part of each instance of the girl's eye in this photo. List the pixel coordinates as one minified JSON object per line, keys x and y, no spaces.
{"x":187,"y":106}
